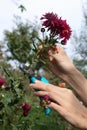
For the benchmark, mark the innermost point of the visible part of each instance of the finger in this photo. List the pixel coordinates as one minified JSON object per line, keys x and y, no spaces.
{"x":40,"y":93}
{"x":42,"y":86}
{"x":63,"y":112}
{"x":54,"y":50}
{"x":39,"y":85}
{"x":45,"y":87}
{"x":53,"y":96}
{"x":58,"y":108}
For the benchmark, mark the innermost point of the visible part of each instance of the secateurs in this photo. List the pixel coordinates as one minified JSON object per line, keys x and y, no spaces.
{"x":32,"y":78}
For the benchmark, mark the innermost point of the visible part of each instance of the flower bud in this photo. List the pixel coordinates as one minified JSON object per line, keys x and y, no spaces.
{"x":26,"y":108}
{"x":62,"y":85}
{"x":42,"y":29}
{"x":40,"y":47}
{"x":2,"y":83}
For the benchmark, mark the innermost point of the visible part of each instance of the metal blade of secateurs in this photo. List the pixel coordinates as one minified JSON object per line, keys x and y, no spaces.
{"x":29,"y":72}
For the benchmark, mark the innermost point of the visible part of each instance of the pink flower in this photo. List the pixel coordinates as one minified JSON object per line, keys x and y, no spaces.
{"x":45,"y":97}
{"x":26,"y":108}
{"x":2,"y":83}
{"x":45,"y":100}
{"x":50,"y":22}
{"x":56,"y":26}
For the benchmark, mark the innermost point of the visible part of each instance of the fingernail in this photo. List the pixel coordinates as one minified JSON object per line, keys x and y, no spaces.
{"x":30,"y":85}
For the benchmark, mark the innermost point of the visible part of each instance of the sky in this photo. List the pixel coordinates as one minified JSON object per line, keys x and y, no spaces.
{"x":71,"y":10}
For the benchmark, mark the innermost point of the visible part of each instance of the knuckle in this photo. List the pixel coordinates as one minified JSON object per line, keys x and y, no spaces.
{"x":70,"y":91}
{"x":48,"y":87}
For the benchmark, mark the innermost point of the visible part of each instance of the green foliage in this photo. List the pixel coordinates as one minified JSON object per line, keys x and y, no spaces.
{"x":21,"y":42}
{"x":17,"y":93}
{"x":11,"y":98}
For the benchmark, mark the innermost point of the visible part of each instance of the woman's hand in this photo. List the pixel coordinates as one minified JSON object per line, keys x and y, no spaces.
{"x":61,"y":65}
{"x":64,"y":102}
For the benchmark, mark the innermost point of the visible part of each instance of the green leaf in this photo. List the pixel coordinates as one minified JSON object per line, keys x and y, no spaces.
{"x":22,"y":8}
{"x":14,"y":127}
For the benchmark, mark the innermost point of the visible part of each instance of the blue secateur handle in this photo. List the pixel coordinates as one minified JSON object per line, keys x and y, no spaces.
{"x":43,"y":79}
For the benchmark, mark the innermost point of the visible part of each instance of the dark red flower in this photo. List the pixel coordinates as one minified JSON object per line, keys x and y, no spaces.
{"x":64,"y":30}
{"x":2,"y":83}
{"x":26,"y":108}
{"x":45,"y":100}
{"x":45,"y":97}
{"x":56,"y":26}
{"x":50,"y":22}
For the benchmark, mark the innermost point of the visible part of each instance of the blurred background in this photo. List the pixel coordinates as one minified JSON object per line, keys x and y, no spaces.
{"x":19,"y":27}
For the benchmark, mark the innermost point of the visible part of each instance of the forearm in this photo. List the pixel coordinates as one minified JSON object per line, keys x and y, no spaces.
{"x":78,"y":83}
{"x":83,"y":119}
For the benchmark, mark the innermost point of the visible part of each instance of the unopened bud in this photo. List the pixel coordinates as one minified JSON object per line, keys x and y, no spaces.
{"x":42,"y":29}
{"x":40,"y":47}
{"x":63,"y":85}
